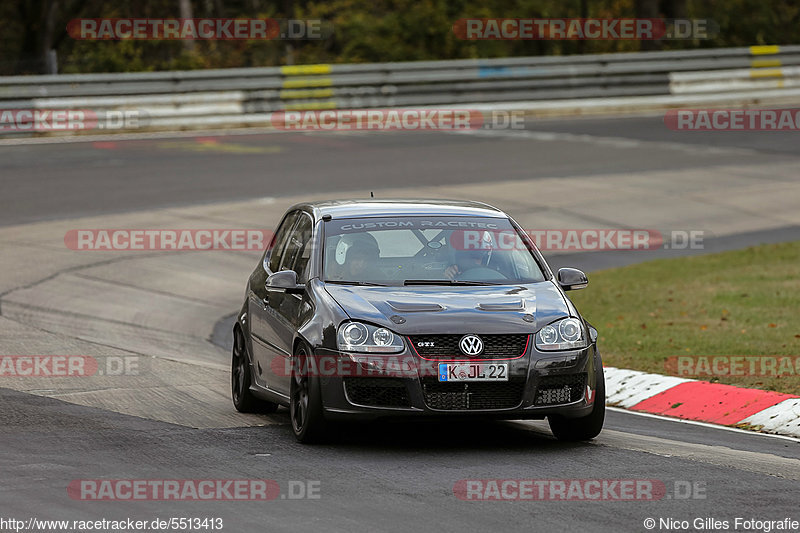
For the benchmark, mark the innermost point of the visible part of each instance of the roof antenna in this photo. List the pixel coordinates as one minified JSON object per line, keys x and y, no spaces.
{"x":371,"y":194}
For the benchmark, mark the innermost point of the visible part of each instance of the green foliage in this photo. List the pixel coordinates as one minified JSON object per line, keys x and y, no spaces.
{"x":364,"y":31}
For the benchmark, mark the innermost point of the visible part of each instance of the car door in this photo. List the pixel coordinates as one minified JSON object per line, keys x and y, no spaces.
{"x":264,"y":346}
{"x":285,"y":309}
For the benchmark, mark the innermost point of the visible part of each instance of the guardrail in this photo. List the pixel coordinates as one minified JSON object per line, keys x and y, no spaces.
{"x":217,"y":96}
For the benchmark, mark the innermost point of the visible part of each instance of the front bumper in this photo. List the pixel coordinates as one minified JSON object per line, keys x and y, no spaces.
{"x":540,"y":384}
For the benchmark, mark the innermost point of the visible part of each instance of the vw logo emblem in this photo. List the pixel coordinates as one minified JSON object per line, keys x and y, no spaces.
{"x":471,"y":345}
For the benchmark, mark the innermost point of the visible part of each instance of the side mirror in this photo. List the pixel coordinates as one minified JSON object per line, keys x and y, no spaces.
{"x":572,"y":279}
{"x":285,"y":281}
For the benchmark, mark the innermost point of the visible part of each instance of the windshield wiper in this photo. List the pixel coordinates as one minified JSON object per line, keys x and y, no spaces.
{"x":453,"y":282}
{"x":358,"y":283}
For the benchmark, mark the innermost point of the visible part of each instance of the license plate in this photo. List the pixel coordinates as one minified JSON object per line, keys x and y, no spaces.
{"x":473,"y":371}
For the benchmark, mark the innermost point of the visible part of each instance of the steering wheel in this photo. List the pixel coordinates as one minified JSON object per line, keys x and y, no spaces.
{"x":480,"y":274}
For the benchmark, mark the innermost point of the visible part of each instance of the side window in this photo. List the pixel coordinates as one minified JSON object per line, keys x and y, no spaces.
{"x":298,"y":248}
{"x":279,"y":241}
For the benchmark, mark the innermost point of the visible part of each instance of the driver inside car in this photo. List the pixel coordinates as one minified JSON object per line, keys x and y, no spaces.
{"x":467,"y":260}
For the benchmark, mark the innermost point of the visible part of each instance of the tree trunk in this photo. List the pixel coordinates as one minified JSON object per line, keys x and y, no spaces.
{"x":648,"y":9}
{"x":584,"y":14}
{"x":186,"y":13}
{"x":46,"y":52}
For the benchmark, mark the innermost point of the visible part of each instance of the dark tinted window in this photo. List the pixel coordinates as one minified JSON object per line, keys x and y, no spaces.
{"x":298,"y":248}
{"x":279,"y":241}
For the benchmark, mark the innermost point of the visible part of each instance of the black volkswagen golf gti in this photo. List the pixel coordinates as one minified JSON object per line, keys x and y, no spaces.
{"x":364,"y":309}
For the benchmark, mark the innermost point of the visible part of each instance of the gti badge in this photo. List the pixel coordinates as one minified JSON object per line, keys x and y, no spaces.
{"x":471,"y":345}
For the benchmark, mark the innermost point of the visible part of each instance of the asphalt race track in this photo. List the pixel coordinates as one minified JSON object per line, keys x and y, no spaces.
{"x":382,"y":476}
{"x":51,"y":181}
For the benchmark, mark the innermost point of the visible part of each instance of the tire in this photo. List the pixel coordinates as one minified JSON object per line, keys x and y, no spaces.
{"x":243,"y":399}
{"x":305,"y":403}
{"x":586,"y":427}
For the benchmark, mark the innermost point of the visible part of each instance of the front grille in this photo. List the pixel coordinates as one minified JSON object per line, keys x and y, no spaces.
{"x":553,"y":390}
{"x":470,"y":396}
{"x":446,"y":346}
{"x":377,"y":392}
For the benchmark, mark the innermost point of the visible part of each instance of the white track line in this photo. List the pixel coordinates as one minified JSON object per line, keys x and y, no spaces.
{"x":702,"y":424}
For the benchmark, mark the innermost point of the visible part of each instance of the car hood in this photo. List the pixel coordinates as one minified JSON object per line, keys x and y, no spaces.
{"x":442,"y":309}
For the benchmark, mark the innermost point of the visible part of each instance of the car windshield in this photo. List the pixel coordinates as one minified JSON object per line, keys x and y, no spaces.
{"x":427,"y":251}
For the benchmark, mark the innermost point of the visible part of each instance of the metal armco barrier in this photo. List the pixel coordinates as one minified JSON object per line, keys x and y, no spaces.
{"x":247,"y":96}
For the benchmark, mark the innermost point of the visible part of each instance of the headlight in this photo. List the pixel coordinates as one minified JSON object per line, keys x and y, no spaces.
{"x":566,"y":334}
{"x":358,"y":337}
{"x":353,"y":334}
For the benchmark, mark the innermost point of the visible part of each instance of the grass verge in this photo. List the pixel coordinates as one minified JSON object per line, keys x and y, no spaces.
{"x":689,"y":314}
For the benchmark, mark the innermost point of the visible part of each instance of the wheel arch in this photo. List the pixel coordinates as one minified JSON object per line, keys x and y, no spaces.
{"x":298,"y":340}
